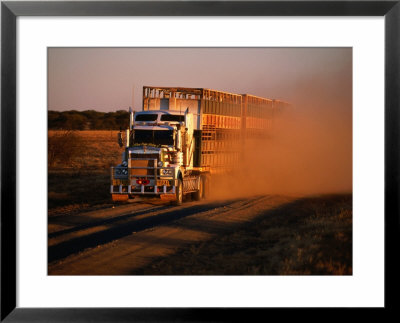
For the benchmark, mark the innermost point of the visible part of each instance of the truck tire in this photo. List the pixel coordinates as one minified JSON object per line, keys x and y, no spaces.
{"x":197,"y":196}
{"x":206,"y":187}
{"x":179,"y":193}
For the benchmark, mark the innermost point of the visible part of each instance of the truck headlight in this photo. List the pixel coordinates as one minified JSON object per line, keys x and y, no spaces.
{"x":121,"y":171}
{"x":160,"y":163}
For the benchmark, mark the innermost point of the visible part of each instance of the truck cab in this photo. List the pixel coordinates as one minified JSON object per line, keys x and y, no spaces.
{"x":158,"y":157}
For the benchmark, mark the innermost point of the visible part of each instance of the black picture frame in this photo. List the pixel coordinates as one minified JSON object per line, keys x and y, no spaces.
{"x":11,"y":10}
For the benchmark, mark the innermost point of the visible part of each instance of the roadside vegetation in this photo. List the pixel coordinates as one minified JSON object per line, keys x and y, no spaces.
{"x":87,"y":120}
{"x":79,"y":168}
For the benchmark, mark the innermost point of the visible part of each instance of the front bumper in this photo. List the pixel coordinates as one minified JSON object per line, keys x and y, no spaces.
{"x":128,"y":185}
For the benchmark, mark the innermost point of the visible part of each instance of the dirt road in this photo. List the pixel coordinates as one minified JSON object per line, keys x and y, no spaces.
{"x":122,"y":239}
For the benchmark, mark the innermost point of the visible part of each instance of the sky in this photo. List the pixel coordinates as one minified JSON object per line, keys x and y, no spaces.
{"x":106,"y":79}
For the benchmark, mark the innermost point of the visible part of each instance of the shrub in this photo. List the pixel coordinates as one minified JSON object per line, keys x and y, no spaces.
{"x":62,"y":147}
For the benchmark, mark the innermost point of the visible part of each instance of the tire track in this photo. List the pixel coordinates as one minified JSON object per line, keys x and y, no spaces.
{"x":120,"y":230}
{"x":101,"y":222}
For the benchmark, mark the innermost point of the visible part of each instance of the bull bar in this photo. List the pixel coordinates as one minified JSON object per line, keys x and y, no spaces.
{"x":126,"y":184}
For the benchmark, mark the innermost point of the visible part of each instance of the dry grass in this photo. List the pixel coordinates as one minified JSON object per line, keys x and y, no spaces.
{"x":96,"y":149}
{"x":83,"y":180}
{"x":312,"y":236}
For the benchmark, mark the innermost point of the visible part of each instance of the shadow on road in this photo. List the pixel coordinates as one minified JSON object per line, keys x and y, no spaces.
{"x":72,"y":246}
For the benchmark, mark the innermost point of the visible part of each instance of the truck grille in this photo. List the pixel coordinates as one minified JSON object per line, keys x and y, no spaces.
{"x":144,"y":156}
{"x":142,"y":163}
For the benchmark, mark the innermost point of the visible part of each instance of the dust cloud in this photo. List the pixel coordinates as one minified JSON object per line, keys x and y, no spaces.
{"x":308,"y":151}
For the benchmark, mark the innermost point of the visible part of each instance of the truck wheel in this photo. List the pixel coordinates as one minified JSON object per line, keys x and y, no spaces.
{"x":206,"y":187}
{"x":179,"y":193}
{"x":199,"y":194}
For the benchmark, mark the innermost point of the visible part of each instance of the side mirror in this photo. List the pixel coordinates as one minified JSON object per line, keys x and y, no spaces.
{"x":120,"y":139}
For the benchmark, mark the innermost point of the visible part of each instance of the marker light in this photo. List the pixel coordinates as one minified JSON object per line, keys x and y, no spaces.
{"x":142,"y":181}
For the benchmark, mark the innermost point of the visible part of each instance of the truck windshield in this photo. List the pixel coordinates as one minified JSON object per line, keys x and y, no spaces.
{"x":172,"y":117}
{"x":146,"y":117}
{"x":154,"y":137}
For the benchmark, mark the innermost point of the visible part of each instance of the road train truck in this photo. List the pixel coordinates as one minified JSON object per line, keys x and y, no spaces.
{"x":184,"y":138}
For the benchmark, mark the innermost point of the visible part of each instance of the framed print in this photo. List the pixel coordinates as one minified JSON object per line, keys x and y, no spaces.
{"x":338,"y":60}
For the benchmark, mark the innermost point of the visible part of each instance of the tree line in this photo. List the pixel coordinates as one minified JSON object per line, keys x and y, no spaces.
{"x":88,"y":120}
